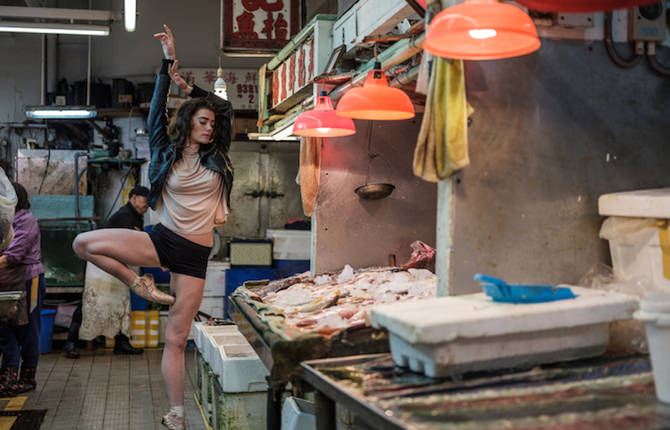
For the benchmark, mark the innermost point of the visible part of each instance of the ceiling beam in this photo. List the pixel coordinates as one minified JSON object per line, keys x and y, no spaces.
{"x":55,"y":13}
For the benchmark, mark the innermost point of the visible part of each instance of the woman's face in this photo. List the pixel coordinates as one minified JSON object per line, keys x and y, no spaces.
{"x":202,"y":126}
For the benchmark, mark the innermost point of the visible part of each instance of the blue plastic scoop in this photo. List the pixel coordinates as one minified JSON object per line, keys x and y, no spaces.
{"x":501,"y":291}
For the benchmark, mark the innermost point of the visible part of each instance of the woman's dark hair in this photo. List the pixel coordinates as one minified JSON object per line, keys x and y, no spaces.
{"x":180,"y":125}
{"x":22,"y":201}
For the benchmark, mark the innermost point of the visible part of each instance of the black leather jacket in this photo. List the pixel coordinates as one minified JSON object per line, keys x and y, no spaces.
{"x":163,"y":152}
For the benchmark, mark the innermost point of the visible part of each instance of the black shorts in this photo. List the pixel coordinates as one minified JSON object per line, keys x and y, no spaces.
{"x":179,"y":254}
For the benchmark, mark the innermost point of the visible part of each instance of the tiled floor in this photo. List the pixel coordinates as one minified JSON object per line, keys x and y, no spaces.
{"x":104,"y":391}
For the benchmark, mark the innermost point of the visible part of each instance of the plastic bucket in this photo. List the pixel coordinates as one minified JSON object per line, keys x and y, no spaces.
{"x":47,"y":317}
{"x":655,"y":313}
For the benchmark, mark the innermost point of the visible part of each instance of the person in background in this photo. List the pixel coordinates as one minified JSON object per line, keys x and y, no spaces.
{"x":20,"y":344}
{"x":191,"y":178}
{"x":131,"y":216}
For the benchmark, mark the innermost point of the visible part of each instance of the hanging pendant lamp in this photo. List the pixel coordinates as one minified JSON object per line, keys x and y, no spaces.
{"x":481,"y":30}
{"x":322,"y":121}
{"x":375,"y":100}
{"x":581,"y":6}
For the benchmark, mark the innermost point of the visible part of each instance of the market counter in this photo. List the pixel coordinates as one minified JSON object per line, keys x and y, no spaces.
{"x":607,"y":393}
{"x":300,"y":318}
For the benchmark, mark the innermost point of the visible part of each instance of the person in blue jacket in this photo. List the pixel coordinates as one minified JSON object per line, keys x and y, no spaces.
{"x":191,"y":178}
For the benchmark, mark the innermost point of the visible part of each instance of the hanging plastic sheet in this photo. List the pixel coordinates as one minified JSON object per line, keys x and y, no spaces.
{"x":310,"y":165}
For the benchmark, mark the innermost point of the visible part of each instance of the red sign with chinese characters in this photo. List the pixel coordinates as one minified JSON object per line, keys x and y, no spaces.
{"x":241,"y":85}
{"x":259,"y":25}
{"x":293,"y":74}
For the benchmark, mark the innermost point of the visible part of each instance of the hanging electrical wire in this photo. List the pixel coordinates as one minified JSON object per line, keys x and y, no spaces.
{"x":653,"y":61}
{"x":123,"y":183}
{"x":625,"y":63}
{"x":46,"y":169}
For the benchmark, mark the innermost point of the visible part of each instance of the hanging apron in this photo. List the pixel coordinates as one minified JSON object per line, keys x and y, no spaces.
{"x":105,"y":305}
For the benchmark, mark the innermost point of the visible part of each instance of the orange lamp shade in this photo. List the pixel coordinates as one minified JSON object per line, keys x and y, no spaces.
{"x":481,"y":30}
{"x":375,"y":100}
{"x":581,"y":6}
{"x":322,"y":121}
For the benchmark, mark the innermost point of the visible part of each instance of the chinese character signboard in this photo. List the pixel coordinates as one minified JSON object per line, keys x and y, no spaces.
{"x":292,"y":79}
{"x":241,"y":84}
{"x":259,"y":25}
{"x":293,"y":74}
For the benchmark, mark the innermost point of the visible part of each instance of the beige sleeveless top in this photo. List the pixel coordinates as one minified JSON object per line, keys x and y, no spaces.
{"x":192,"y":198}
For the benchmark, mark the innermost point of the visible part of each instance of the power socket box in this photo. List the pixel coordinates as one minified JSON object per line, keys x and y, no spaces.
{"x":648,"y":23}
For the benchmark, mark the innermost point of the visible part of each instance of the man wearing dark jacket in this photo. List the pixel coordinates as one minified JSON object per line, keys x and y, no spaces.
{"x":129,"y":216}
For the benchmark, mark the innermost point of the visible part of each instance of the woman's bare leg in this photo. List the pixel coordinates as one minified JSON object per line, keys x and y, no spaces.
{"x":188,"y":292}
{"x":113,"y":250}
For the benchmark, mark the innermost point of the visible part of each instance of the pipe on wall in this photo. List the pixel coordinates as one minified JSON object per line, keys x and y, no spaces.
{"x":52,"y":63}
{"x":43,"y":71}
{"x":77,"y":175}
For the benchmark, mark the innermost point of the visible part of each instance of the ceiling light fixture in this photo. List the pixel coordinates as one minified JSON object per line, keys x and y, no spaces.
{"x":19,"y":19}
{"x":49,"y":28}
{"x":322,"y":121}
{"x":375,"y":100}
{"x":220,"y":87}
{"x":481,"y":30}
{"x":130,"y":14}
{"x":60,"y":112}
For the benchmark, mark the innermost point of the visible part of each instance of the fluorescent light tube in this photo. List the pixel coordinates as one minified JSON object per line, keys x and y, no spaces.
{"x":60,"y":112}
{"x":43,"y":27}
{"x":130,"y":14}
{"x":285,"y":134}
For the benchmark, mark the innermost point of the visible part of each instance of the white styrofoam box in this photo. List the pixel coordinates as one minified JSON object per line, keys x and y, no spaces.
{"x":213,"y":306}
{"x":297,"y":414}
{"x":653,"y":203}
{"x":202,"y":330}
{"x":196,"y":328}
{"x":215,"y":281}
{"x":450,"y":335}
{"x":290,"y":244}
{"x":217,"y":340}
{"x":638,"y":252}
{"x":236,"y":363}
{"x":240,"y":369}
{"x":211,"y":333}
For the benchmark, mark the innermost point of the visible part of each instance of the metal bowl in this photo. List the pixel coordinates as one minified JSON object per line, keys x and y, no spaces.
{"x":374,"y":191}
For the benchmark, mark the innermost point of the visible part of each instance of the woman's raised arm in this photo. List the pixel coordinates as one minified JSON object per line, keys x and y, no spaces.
{"x":157,"y":120}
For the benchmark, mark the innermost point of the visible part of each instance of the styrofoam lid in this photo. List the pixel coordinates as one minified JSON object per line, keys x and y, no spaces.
{"x":654,"y":203}
{"x":658,"y":302}
{"x":444,"y":319}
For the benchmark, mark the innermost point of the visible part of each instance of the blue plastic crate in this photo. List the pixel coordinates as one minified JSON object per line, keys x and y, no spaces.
{"x":47,"y":319}
{"x":238,"y":276}
{"x":286,"y":268}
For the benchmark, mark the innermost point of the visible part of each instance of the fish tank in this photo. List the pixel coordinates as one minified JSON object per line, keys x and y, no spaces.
{"x":63,"y":268}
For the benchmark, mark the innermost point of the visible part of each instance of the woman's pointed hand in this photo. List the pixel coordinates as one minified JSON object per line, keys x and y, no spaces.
{"x":167,"y":42}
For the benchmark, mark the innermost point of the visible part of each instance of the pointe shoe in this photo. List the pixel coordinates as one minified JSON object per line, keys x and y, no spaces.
{"x":145,"y":287}
{"x":173,"y":422}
